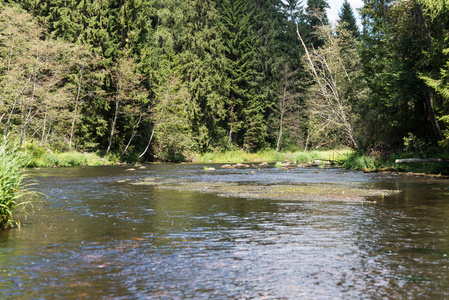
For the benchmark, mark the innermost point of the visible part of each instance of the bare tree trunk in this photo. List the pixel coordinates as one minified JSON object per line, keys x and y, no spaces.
{"x":27,"y":118}
{"x":76,"y":107}
{"x":8,"y":120}
{"x":282,"y":112}
{"x":133,"y":133}
{"x":231,"y":127}
{"x":113,"y":125}
{"x":412,"y":160}
{"x":114,"y":121}
{"x":431,"y":116}
{"x":230,"y":136}
{"x":149,"y":142}
{"x":156,"y":123}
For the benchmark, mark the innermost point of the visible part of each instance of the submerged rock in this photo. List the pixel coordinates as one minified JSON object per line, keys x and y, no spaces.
{"x":227,"y":167}
{"x":240,"y":165}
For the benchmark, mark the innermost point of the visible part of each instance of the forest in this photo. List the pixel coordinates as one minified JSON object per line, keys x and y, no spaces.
{"x":162,"y":79}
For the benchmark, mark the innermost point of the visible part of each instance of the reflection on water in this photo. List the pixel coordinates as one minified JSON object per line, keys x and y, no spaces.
{"x":98,"y":236}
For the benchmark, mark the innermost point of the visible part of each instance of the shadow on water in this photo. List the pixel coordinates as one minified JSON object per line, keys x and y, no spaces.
{"x":100,"y":236}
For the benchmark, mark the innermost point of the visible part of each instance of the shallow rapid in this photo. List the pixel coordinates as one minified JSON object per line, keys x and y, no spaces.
{"x":99,"y":235}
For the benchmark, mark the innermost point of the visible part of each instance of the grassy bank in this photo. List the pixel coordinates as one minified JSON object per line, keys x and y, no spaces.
{"x":15,"y":196}
{"x":417,"y":167}
{"x":66,"y":159}
{"x":360,"y":161}
{"x":349,"y":159}
{"x":241,"y":156}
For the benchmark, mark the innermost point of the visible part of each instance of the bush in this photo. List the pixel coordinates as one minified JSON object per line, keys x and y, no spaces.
{"x":12,"y":189}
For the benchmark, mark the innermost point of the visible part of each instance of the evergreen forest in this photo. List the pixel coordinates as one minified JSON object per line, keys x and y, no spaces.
{"x":162,"y":79}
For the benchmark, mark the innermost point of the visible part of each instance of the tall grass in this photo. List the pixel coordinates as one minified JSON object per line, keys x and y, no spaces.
{"x":358,"y":161}
{"x":15,"y":196}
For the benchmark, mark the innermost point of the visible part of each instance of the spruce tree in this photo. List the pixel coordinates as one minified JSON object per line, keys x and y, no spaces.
{"x":316,"y":12}
{"x":201,"y":67}
{"x":316,"y":16}
{"x":240,"y":41}
{"x":347,"y":19}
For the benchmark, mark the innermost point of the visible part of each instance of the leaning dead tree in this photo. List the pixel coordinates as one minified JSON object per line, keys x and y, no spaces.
{"x":412,"y":160}
{"x":329,"y":108}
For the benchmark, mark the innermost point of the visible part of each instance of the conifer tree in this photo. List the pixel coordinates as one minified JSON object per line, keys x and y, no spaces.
{"x":240,"y":41}
{"x":437,"y":76}
{"x":316,"y":16}
{"x":201,"y":65}
{"x":316,"y":12}
{"x":393,"y":58}
{"x":347,"y":19}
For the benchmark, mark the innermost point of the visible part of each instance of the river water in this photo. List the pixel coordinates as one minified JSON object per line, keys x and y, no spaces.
{"x":98,"y":236}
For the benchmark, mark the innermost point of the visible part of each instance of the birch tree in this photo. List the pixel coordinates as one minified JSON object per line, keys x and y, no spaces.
{"x":331,"y":98}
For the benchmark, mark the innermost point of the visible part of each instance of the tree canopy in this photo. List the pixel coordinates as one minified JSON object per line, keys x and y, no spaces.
{"x":161,"y":79}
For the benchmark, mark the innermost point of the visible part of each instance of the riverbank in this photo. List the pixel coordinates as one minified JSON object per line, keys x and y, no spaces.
{"x":345,"y":158}
{"x":47,"y":158}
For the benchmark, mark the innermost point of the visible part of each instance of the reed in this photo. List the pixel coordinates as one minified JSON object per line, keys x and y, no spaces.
{"x":15,"y":196}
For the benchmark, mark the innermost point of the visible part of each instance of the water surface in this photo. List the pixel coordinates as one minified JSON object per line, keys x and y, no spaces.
{"x":98,"y":236}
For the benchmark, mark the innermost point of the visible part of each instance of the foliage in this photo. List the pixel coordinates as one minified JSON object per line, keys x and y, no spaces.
{"x":240,"y":41}
{"x":15,"y":195}
{"x":161,"y":79}
{"x":39,"y":82}
{"x":438,"y":77}
{"x":394,"y":37}
{"x":316,"y":16}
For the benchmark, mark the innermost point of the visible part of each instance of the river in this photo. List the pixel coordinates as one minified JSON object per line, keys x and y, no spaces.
{"x":99,"y":235}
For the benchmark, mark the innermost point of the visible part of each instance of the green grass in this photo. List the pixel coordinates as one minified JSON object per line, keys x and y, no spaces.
{"x":66,"y":159}
{"x":357,"y":161}
{"x":15,"y":196}
{"x":234,"y":156}
{"x":241,"y":156}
